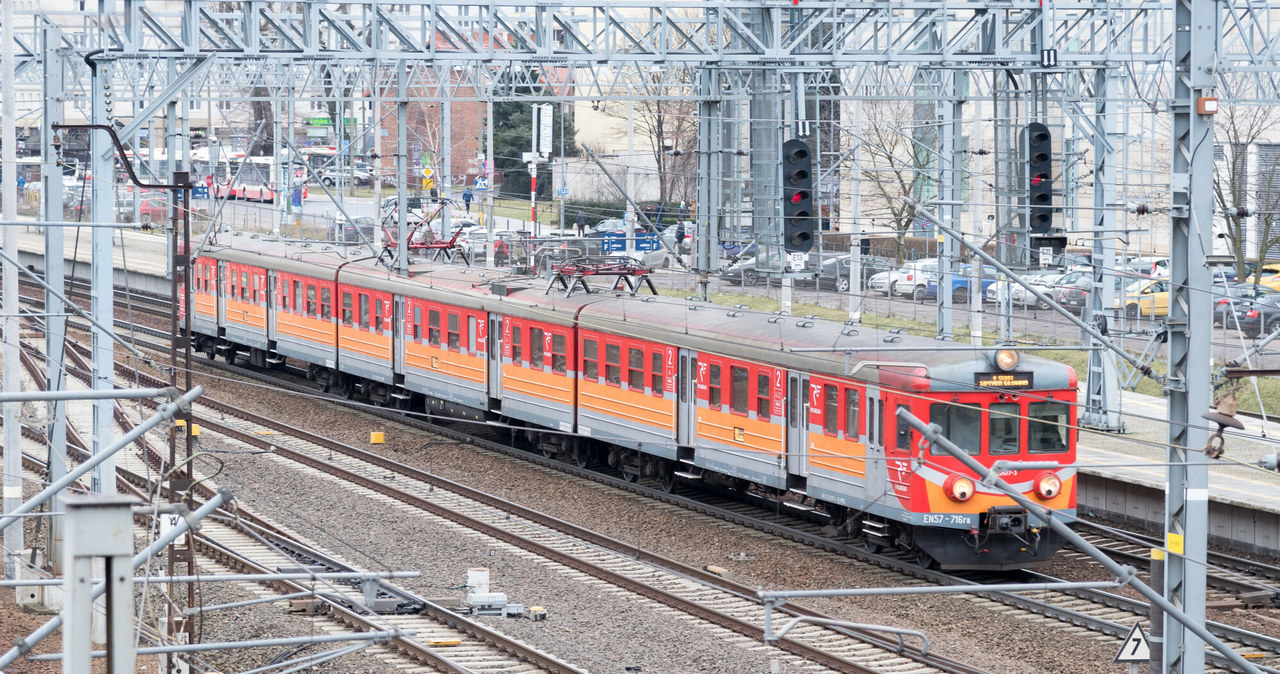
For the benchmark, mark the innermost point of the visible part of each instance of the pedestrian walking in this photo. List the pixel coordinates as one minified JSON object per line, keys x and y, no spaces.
{"x":581,"y":222}
{"x":467,"y":196}
{"x":684,"y":211}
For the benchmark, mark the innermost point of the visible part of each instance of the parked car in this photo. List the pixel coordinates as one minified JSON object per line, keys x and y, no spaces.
{"x":1229,"y":300}
{"x":743,"y":272}
{"x":1259,"y":317}
{"x":961,"y":284}
{"x":346,"y":176}
{"x":1043,"y":281}
{"x":345,"y":231}
{"x":1145,"y":297}
{"x":1268,"y":275}
{"x":913,"y":275}
{"x":1074,"y":297}
{"x":1226,"y":274}
{"x":881,"y":282}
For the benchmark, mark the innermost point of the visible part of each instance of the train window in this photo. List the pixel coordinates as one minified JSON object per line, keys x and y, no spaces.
{"x":362,"y":316}
{"x":417,"y":323}
{"x":326,"y":302}
{"x":635,"y":369}
{"x":558,"y":361}
{"x":713,"y":387}
{"x":244,"y":286}
{"x":297,"y":295}
{"x":830,"y":409}
{"x":1002,"y":433}
{"x":433,"y":327}
{"x":537,"y":355}
{"x":655,"y":376}
{"x":516,"y":353}
{"x":613,"y":364}
{"x":590,"y":358}
{"x":739,"y":381}
{"x":311,"y":301}
{"x":851,"y":413}
{"x":763,"y":386}
{"x":961,"y":424}
{"x":471,"y":334}
{"x":1047,"y":425}
{"x":455,"y":337}
{"x":346,"y":308}
{"x":904,"y":431}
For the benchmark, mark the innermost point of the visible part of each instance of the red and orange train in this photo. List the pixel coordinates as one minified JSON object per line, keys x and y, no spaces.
{"x":674,"y":390}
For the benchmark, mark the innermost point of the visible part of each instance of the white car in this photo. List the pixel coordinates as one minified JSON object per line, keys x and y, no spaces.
{"x":880,"y":282}
{"x":913,"y":275}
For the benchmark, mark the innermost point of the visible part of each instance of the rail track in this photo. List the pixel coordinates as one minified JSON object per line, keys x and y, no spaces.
{"x":1105,"y":613}
{"x":244,"y":542}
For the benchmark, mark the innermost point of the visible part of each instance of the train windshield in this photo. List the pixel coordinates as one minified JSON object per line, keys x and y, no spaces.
{"x":961,"y":424}
{"x":1047,"y":425}
{"x":1002,"y":436}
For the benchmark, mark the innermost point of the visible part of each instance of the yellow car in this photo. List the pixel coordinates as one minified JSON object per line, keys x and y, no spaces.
{"x":1268,"y":275}
{"x":1145,"y":297}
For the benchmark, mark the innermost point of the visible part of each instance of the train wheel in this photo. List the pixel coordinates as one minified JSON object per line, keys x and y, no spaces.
{"x":630,"y":475}
{"x":667,"y":478}
{"x":924,"y":559}
{"x":872,"y":546}
{"x":583,"y":455}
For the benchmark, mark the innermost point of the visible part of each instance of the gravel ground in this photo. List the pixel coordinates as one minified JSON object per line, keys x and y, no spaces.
{"x":590,"y":628}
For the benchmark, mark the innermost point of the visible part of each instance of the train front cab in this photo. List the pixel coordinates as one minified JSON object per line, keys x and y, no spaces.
{"x":965,"y":524}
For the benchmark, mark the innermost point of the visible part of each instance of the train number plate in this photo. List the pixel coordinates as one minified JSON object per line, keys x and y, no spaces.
{"x":947,"y":519}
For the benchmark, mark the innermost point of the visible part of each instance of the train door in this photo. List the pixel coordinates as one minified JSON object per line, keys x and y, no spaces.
{"x":687,"y":398}
{"x":495,"y":356}
{"x":398,"y":331}
{"x":797,"y":423}
{"x":222,"y":293}
{"x":272,"y":305}
{"x":873,"y":436}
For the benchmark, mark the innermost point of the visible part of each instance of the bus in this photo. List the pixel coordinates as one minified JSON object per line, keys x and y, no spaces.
{"x":236,"y":176}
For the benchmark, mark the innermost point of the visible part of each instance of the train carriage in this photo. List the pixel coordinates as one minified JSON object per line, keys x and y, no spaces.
{"x":242,"y":305}
{"x":803,"y":409}
{"x":301,"y":322}
{"x":204,"y":296}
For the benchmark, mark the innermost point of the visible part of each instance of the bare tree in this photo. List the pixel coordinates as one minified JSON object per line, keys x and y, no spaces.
{"x":670,"y":128}
{"x":892,"y":167}
{"x":1239,"y":129}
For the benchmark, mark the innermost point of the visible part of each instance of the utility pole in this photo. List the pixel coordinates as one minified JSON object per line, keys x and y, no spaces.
{"x":13,"y":541}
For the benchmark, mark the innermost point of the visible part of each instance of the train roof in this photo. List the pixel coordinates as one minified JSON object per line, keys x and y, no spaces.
{"x":812,"y":344}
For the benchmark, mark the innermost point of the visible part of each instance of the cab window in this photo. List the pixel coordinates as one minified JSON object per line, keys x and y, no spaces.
{"x":961,"y":424}
{"x":1047,"y":426}
{"x":1003,"y":432}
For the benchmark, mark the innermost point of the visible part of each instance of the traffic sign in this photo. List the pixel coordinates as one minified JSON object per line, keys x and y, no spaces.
{"x":562,"y":192}
{"x":200,"y":192}
{"x":1135,"y":648}
{"x":482,"y":183}
{"x":797,"y":261}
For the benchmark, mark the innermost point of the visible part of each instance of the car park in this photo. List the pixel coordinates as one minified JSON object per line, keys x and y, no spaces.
{"x":1262,"y":316}
{"x":743,"y":272}
{"x":1268,"y":275}
{"x":1227,"y":301}
{"x":834,"y":272}
{"x":880,"y":282}
{"x":961,"y":284}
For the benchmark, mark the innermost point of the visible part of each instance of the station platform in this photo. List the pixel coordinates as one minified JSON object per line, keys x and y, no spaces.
{"x":1122,"y":475}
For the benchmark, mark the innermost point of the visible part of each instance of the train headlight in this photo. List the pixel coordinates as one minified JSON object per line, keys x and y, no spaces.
{"x":1048,"y":486}
{"x":1006,"y":359}
{"x":959,"y":488}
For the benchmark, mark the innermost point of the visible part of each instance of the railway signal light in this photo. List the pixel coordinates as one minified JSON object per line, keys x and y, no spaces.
{"x":797,"y":197}
{"x":1039,"y":145}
